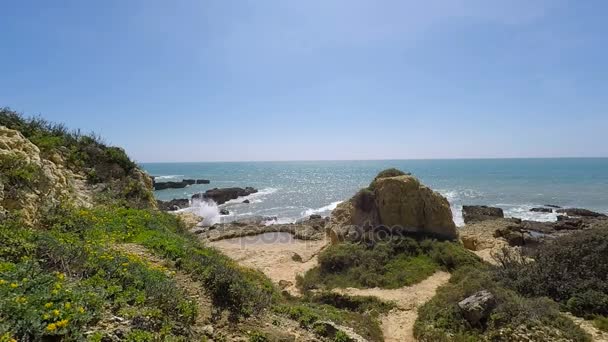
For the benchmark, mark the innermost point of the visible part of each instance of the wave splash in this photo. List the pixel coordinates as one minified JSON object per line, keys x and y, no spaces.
{"x":326,"y":209}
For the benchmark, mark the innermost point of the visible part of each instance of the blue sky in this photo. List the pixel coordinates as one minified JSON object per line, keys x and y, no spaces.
{"x":299,"y":80}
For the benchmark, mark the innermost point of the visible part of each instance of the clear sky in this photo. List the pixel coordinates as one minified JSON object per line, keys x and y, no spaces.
{"x":317,"y":79}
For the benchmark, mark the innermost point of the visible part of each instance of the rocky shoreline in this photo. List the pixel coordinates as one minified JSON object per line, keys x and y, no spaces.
{"x":177,"y":185}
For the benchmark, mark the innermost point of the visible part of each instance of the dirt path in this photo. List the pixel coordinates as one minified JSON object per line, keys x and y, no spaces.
{"x":596,"y":334}
{"x":398,"y":324}
{"x":276,"y":260}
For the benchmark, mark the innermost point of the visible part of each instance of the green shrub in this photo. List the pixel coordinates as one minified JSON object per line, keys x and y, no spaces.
{"x":601,"y":322}
{"x":392,"y":263}
{"x":440,"y":319}
{"x":392,"y":172}
{"x":571,"y":270}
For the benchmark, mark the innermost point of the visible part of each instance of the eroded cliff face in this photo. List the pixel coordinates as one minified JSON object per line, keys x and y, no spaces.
{"x":398,"y":203}
{"x":30,"y":184}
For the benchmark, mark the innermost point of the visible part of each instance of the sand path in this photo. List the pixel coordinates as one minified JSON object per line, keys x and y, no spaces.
{"x":398,"y":324}
{"x":274,"y":258}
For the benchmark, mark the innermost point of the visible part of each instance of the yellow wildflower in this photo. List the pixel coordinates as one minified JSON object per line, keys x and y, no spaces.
{"x":60,"y":276}
{"x":46,"y":316}
{"x":56,"y":312}
{"x":2,"y":281}
{"x":21,"y":299}
{"x":125,"y":264}
{"x":54,"y":292}
{"x":81,"y":310}
{"x":14,"y":285}
{"x":67,"y":305}
{"x":51,"y":327}
{"x":62,"y":324}
{"x":48,"y":305}
{"x":12,"y":340}
{"x":57,"y":286}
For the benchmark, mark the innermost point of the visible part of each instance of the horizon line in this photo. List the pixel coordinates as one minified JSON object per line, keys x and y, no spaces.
{"x":346,"y":160}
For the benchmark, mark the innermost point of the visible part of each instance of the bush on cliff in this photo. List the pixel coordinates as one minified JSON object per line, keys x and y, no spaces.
{"x":572,"y":270}
{"x":393,"y":263}
{"x":84,"y":154}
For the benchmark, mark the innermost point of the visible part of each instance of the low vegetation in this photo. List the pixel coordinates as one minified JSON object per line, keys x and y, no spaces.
{"x":515,"y":318}
{"x":360,"y":313}
{"x":393,"y":263}
{"x":67,"y":276}
{"x":572,"y":270}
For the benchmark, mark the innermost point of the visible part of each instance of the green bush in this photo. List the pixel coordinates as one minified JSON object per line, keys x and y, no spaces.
{"x":393,"y":263}
{"x":601,"y":323}
{"x":392,"y":172}
{"x":514,"y":316}
{"x":571,"y":270}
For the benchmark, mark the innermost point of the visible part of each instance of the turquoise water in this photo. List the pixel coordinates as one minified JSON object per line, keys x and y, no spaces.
{"x":291,"y":190}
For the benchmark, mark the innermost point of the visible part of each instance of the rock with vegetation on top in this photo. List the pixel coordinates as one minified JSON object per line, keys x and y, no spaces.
{"x":478,"y":213}
{"x":394,"y":203}
{"x":31,"y":183}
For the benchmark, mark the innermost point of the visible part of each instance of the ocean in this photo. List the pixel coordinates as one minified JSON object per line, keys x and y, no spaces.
{"x":293,"y":190}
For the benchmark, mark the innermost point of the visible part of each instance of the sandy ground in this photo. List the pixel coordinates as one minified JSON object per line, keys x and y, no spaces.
{"x":275,"y":259}
{"x":398,"y":324}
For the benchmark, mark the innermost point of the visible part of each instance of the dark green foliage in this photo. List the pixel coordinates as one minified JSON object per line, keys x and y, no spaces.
{"x":392,"y":172}
{"x":350,"y":303}
{"x":390,"y":264}
{"x":365,"y":200}
{"x":16,"y":174}
{"x":572,"y":270}
{"x":440,"y":319}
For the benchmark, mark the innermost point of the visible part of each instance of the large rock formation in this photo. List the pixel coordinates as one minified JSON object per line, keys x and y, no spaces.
{"x":395,"y":203}
{"x":478,"y":213}
{"x":30,"y":183}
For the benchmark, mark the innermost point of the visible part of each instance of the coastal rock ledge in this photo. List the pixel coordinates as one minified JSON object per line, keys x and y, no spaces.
{"x":394,"y":203}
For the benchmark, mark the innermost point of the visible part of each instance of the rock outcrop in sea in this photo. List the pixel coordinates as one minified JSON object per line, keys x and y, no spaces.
{"x":221,"y":196}
{"x":394,"y":203}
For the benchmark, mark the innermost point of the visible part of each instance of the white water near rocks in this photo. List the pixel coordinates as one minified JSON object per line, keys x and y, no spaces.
{"x":293,"y":190}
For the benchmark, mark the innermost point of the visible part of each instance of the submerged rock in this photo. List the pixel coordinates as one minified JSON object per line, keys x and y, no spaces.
{"x":580,"y":212}
{"x":541,"y":210}
{"x":478,"y":213}
{"x":395,"y":203}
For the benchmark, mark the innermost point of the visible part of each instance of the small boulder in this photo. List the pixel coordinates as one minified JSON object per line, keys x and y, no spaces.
{"x":283,"y":284}
{"x":541,"y":210}
{"x":477,"y":307}
{"x":246,"y":201}
{"x":478,"y":213}
{"x":224,"y":212}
